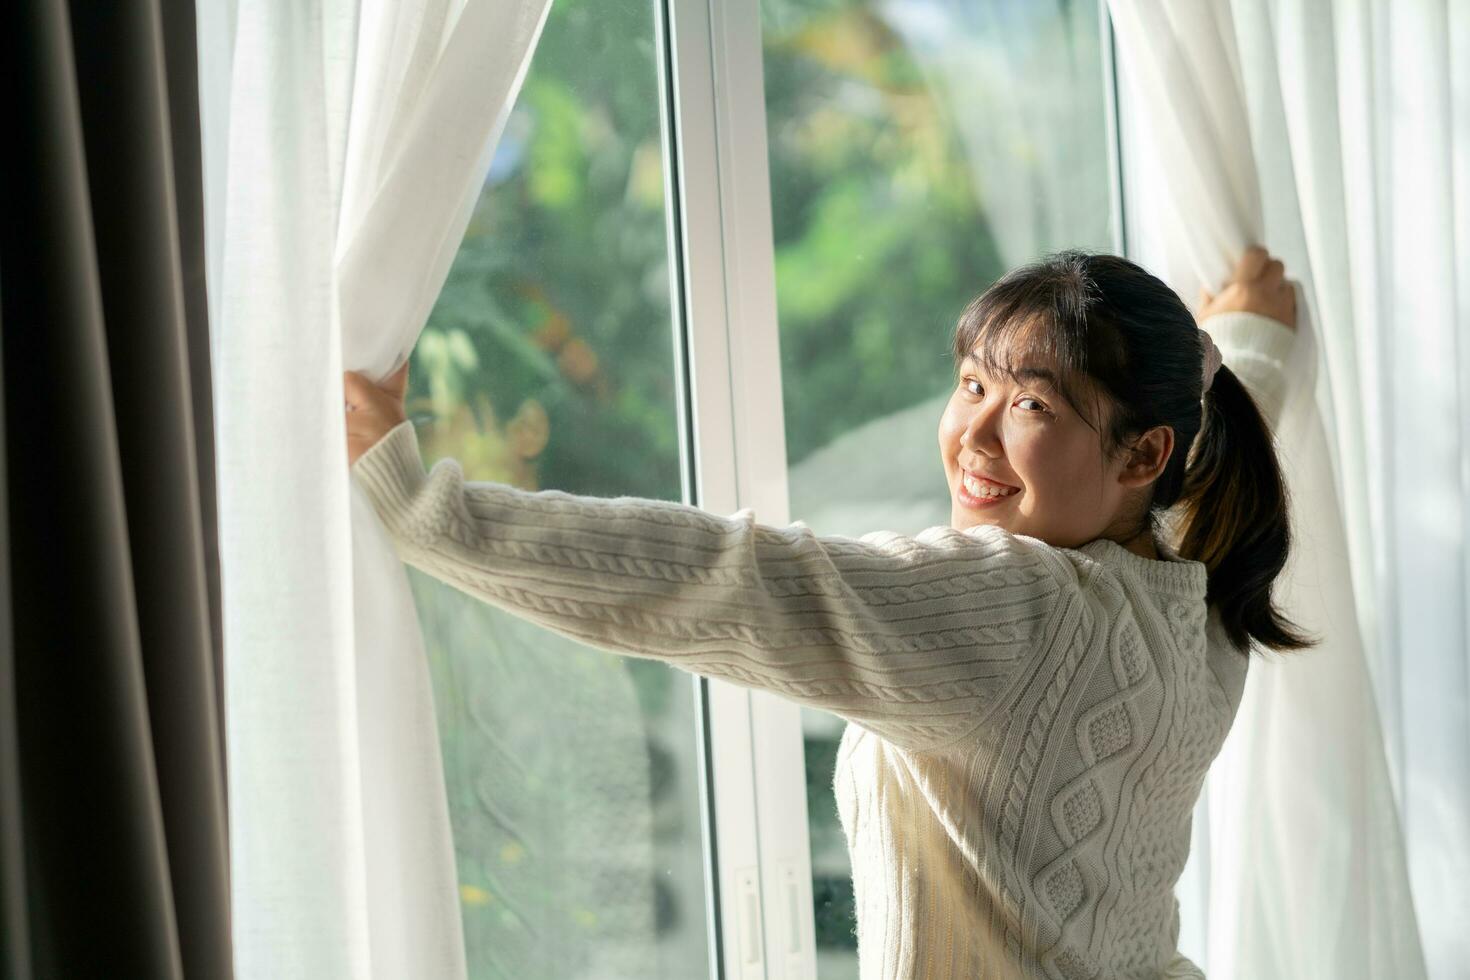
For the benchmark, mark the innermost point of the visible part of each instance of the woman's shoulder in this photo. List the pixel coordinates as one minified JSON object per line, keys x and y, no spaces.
{"x":993,"y":566}
{"x":1077,"y":567}
{"x":984,"y":543}
{"x":1102,"y":568}
{"x":1169,"y":575}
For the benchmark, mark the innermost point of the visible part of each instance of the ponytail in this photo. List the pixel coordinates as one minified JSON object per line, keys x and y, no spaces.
{"x":1232,"y":516}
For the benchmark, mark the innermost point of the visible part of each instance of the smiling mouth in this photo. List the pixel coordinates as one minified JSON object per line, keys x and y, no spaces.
{"x":981,"y":487}
{"x":976,"y":491}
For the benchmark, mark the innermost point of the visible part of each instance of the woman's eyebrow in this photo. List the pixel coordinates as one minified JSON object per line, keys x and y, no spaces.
{"x":1026,"y":372}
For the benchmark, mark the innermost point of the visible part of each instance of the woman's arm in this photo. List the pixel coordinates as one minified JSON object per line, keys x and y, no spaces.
{"x":1253,"y":322}
{"x":913,"y":638}
{"x":1255,"y":347}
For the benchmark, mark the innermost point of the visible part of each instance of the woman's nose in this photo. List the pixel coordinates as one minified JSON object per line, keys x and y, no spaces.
{"x":982,"y":433}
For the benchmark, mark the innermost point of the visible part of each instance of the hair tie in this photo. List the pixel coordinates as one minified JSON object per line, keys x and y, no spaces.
{"x":1211,"y":361}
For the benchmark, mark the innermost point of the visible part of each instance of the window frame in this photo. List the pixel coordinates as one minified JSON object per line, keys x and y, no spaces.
{"x":733,"y":434}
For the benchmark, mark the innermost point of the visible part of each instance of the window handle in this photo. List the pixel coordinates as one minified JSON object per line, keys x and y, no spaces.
{"x":748,"y":910}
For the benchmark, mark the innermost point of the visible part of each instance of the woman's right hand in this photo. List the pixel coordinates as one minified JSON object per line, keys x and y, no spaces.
{"x":372,"y":409}
{"x":1258,"y":285}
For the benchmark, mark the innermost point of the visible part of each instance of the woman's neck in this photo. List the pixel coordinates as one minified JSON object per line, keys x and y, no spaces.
{"x":1143,"y":545}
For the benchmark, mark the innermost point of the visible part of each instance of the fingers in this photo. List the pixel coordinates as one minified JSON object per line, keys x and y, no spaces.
{"x":360,"y":393}
{"x":364,"y":430}
{"x":371,"y":410}
{"x":371,"y":405}
{"x":1251,"y":263}
{"x":1257,"y":265}
{"x":357,"y":390}
{"x":1258,"y":285}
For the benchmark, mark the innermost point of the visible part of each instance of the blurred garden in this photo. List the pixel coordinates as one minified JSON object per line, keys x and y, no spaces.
{"x":554,"y":328}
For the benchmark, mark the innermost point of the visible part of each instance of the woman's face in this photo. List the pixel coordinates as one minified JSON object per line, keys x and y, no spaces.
{"x":1022,"y":438}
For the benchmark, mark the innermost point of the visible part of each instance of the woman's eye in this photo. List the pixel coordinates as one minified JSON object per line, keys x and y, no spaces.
{"x":975,"y":388}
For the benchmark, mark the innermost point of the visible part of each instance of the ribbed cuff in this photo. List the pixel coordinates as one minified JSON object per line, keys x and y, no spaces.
{"x":392,"y":471}
{"x":1252,"y":334}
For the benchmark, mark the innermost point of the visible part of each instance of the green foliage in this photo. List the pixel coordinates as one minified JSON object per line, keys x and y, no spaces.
{"x":561,"y":285}
{"x":879,"y":243}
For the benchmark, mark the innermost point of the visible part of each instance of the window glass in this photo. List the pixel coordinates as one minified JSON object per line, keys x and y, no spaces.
{"x":548,"y":363}
{"x":918,"y":149}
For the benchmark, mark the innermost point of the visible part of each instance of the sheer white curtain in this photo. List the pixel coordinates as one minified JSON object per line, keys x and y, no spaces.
{"x":345,"y":144}
{"x":1337,"y":133}
{"x":1021,"y":84}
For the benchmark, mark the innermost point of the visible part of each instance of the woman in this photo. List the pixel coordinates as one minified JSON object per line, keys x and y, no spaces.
{"x":1036,"y":692}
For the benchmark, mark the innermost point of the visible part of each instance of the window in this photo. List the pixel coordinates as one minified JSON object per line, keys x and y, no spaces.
{"x":573,"y":776}
{"x":653,"y":247}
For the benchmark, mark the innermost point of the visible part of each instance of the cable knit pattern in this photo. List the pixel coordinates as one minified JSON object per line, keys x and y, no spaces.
{"x":1031,"y":725}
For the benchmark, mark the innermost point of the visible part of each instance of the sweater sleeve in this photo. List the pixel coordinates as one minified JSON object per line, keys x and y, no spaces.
{"x":1255,"y":347}
{"x":913,"y":638}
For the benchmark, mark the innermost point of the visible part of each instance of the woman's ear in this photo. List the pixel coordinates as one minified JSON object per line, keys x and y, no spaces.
{"x":1147,"y":457}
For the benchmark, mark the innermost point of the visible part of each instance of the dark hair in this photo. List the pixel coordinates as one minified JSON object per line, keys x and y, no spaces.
{"x":1120,"y":338}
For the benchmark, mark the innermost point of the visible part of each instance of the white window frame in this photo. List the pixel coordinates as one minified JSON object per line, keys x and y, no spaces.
{"x":732,"y":425}
{"x":725,"y":298}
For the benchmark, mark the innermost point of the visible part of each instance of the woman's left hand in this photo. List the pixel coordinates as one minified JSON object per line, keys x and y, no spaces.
{"x":372,"y":410}
{"x":1258,"y":285}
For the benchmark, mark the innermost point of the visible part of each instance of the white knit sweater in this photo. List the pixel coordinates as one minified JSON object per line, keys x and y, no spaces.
{"x":1030,"y":725}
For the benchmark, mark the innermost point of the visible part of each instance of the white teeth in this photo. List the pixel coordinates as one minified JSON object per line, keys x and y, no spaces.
{"x":978,"y":489}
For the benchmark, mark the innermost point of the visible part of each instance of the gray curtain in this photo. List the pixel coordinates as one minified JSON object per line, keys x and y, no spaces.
{"x":113,"y":843}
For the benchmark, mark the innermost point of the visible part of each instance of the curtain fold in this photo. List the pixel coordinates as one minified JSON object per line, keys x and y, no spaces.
{"x":113,"y":813}
{"x":345,"y":143}
{"x":1268,"y":121}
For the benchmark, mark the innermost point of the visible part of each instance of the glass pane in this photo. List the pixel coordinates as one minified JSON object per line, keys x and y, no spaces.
{"x":919,"y":148}
{"x":548,"y":362}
